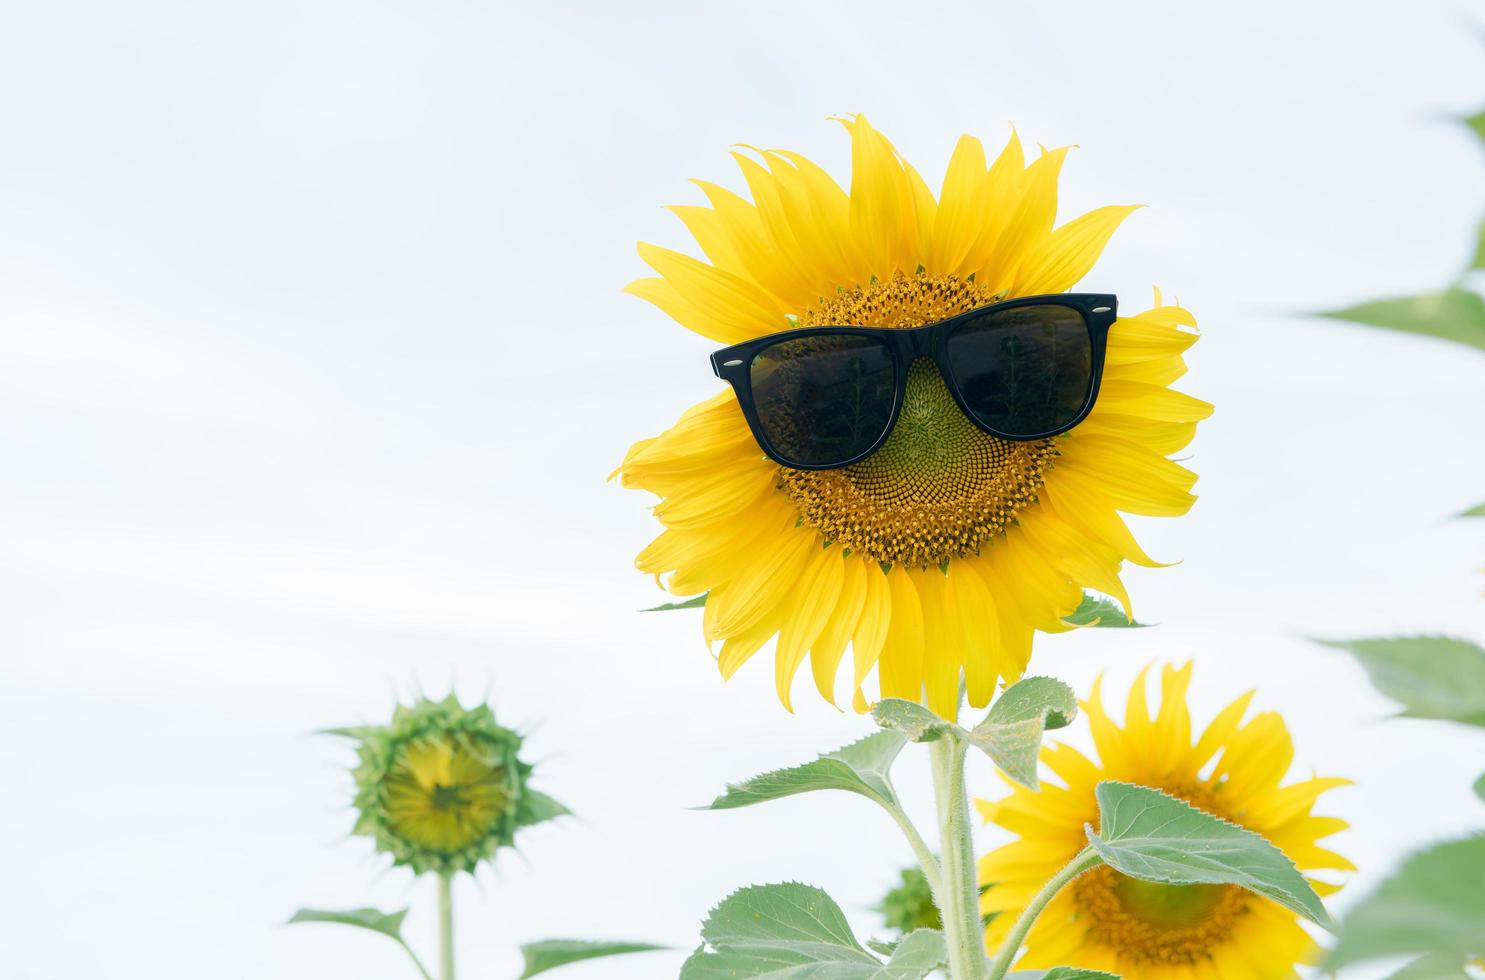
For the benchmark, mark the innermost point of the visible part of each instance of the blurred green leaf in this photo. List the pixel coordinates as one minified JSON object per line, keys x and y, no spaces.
{"x":1477,"y":123}
{"x":1097,"y":610}
{"x":1011,"y":734}
{"x":1063,"y":973}
{"x":793,"y":930}
{"x":861,"y":767}
{"x":1476,"y":511}
{"x":1154,"y":837}
{"x":1430,"y":676}
{"x":386,"y":923}
{"x":1478,"y":262}
{"x":1454,"y":314}
{"x":1433,"y":968}
{"x":695,"y":602}
{"x":389,"y":924}
{"x":909,"y":905}
{"x":1433,"y":905}
{"x":1480,"y":787}
{"x":548,"y":954}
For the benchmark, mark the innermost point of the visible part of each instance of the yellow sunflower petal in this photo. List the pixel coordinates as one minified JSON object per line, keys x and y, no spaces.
{"x":1060,"y":260}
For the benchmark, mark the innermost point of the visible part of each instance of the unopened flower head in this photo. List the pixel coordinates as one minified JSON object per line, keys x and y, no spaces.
{"x":441,"y":787}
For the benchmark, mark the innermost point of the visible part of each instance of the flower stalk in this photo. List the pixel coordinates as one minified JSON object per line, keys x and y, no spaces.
{"x":1086,"y":858}
{"x":958,"y":893}
{"x":446,"y":926}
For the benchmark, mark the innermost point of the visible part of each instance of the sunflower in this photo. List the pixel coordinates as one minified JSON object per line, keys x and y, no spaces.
{"x":441,"y":788}
{"x":1106,"y":921}
{"x":939,"y":556}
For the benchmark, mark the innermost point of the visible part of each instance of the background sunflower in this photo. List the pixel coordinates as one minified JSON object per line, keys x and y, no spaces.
{"x":939,"y":556}
{"x":1233,"y":768}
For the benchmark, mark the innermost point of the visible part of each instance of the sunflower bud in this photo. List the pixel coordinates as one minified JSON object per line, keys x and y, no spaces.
{"x":441,"y":787}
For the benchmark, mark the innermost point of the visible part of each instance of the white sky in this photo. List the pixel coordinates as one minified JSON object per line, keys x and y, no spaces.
{"x":315,"y":362}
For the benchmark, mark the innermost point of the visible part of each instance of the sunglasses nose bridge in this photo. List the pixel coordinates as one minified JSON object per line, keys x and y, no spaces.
{"x":920,"y":342}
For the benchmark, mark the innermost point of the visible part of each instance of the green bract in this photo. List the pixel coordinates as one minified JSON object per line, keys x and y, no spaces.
{"x":441,"y":788}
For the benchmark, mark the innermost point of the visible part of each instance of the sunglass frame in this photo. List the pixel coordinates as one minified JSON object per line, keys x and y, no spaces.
{"x":734,"y":364}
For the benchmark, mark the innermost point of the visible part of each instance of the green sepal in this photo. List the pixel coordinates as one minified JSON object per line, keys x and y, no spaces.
{"x":695,"y":602}
{"x":548,"y":954}
{"x":535,"y":808}
{"x":1147,"y":834}
{"x":1100,"y":611}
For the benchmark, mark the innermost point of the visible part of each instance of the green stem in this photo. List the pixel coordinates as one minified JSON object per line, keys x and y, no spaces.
{"x":959,"y":895}
{"x":416,"y":962}
{"x":445,"y":926}
{"x":926,"y":859}
{"x":1085,"y":859}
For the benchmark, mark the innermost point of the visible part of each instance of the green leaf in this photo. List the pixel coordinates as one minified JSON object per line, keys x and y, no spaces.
{"x":695,"y":602}
{"x":795,"y":932}
{"x":1478,"y":262}
{"x":1430,"y":676}
{"x":535,"y":808}
{"x":913,"y":720}
{"x":1011,"y":734}
{"x":1454,"y":314}
{"x":386,"y":923}
{"x":1042,"y":698}
{"x":1476,"y":511}
{"x":920,"y":953}
{"x":1097,"y":610}
{"x":1433,"y":905}
{"x":861,"y":767}
{"x":1063,"y":973}
{"x":1433,"y":968}
{"x":1476,"y":123}
{"x":1480,"y":787}
{"x":548,"y":954}
{"x":1154,"y":837}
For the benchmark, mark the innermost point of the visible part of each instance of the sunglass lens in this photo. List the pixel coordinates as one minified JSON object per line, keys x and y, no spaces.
{"x":1024,"y":371}
{"x":823,"y":399}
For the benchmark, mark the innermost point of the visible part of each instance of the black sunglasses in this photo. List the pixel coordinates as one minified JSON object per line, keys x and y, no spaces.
{"x":821,"y":398}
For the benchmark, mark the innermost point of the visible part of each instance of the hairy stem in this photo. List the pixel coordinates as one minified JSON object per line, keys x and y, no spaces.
{"x":959,"y":895}
{"x":445,"y":926}
{"x":1086,"y":858}
{"x":932,"y":873}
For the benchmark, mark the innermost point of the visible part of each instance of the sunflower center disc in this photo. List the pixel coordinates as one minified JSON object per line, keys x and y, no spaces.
{"x":1154,"y":923}
{"x":939,"y":488}
{"x":441,"y":796}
